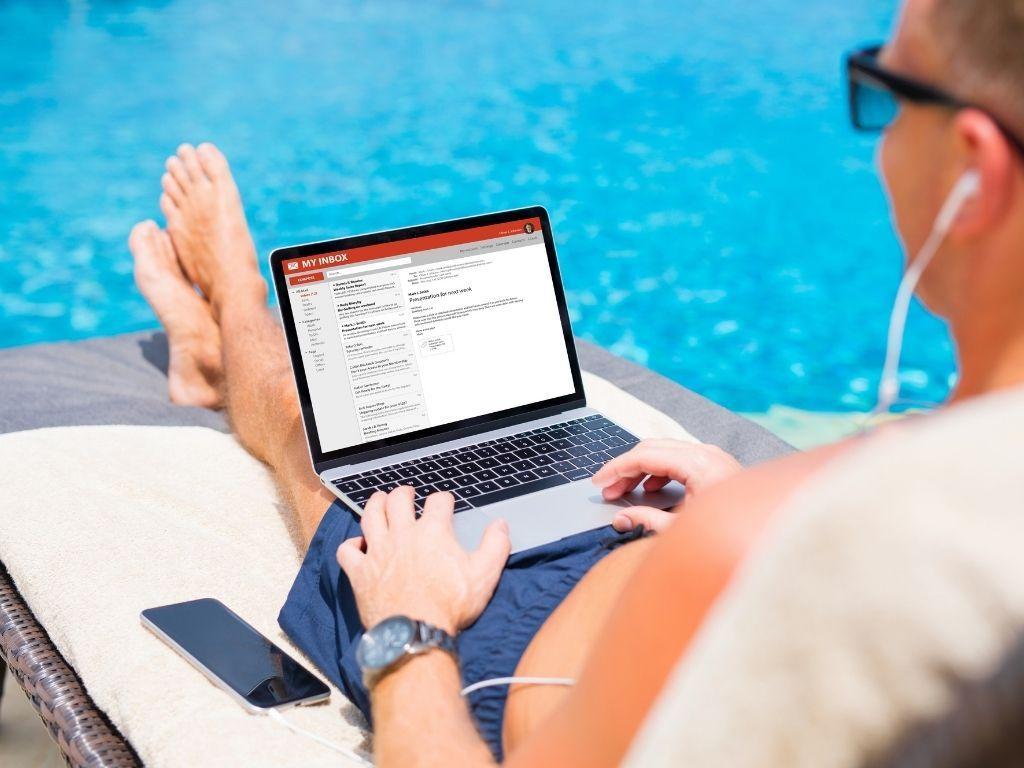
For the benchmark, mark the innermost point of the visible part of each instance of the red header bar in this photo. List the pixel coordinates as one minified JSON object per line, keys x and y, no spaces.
{"x":412,"y":245}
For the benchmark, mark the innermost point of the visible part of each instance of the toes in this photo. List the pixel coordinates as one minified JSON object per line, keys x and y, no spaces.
{"x":177,"y":171}
{"x":188,"y":156}
{"x":172,"y":188}
{"x":169,"y":208}
{"x":141,"y":235}
{"x":169,"y":254}
{"x":166,"y":247}
{"x":147,"y":241}
{"x":213,"y":161}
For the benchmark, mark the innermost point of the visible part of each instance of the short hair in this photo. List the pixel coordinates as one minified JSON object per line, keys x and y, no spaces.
{"x":983,"y":44}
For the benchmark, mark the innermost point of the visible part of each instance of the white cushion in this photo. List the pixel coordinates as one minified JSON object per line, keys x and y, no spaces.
{"x":98,"y":523}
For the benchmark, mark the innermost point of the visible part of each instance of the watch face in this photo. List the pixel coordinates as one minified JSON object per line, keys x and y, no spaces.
{"x":385,"y":643}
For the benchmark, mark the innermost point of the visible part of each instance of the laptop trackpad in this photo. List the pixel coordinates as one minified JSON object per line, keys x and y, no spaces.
{"x":541,"y":518}
{"x":668,"y":497}
{"x":470,"y":526}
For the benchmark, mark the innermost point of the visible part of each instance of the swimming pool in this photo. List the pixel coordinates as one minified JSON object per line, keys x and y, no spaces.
{"x":716,"y":219}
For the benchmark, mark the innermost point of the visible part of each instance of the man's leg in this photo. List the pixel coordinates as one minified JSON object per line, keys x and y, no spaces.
{"x":263,"y":408}
{"x":214,"y":252}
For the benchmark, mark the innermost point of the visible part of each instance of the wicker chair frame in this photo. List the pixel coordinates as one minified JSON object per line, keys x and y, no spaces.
{"x":84,"y":735}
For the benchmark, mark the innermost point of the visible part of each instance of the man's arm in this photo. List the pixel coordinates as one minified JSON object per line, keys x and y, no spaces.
{"x":659,"y":614}
{"x":421,"y":720}
{"x":416,"y":568}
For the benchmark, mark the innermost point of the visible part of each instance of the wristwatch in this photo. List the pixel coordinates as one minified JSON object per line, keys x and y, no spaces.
{"x":386,"y":646}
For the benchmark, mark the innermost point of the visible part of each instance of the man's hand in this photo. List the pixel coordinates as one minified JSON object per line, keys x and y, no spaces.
{"x":416,"y":568}
{"x":656,"y":463}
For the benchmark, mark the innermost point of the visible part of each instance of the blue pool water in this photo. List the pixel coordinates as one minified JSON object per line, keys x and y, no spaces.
{"x":716,"y":218}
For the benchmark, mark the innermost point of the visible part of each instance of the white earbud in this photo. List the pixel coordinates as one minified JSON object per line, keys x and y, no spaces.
{"x":965,"y":189}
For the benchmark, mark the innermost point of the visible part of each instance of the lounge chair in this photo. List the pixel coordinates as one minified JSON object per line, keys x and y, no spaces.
{"x":120,"y":381}
{"x":951,"y":696}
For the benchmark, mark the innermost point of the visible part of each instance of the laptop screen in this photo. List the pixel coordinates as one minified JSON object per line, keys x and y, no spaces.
{"x":405,"y":335}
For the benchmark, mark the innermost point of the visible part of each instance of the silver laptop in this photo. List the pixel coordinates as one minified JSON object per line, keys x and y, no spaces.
{"x":441,"y":356}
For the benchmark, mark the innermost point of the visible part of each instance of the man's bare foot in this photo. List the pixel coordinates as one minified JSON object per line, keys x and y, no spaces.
{"x":195,"y":373}
{"x":207,"y":225}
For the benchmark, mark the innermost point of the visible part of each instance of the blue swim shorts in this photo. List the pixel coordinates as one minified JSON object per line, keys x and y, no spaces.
{"x":321,"y":618}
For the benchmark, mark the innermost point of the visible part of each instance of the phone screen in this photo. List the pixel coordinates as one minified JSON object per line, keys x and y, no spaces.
{"x":235,"y":653}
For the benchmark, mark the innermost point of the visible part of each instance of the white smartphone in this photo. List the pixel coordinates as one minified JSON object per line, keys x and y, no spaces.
{"x":234,"y":656}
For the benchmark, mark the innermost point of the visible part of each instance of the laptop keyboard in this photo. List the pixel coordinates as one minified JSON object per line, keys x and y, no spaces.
{"x":502,"y":469}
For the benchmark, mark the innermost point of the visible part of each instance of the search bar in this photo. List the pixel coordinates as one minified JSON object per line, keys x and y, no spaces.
{"x":355,"y":269}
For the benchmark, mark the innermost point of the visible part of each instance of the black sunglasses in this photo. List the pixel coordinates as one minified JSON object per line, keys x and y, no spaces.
{"x":875,"y":95}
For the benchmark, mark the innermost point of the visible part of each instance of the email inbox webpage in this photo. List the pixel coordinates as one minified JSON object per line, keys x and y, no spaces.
{"x":402,"y":336}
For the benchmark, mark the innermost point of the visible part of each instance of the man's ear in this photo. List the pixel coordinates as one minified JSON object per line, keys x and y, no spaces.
{"x":983,"y":147}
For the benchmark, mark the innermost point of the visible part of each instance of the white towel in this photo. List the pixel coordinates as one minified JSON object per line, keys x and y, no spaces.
{"x":98,"y":523}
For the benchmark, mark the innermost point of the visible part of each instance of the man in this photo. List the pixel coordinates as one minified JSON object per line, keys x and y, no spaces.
{"x":227,"y":350}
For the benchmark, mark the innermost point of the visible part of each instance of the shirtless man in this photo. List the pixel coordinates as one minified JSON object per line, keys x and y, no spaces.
{"x":228,"y":351}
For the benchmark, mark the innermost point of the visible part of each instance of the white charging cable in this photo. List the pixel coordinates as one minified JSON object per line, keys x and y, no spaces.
{"x":888,"y":393}
{"x":565,"y":681}
{"x":356,"y":758}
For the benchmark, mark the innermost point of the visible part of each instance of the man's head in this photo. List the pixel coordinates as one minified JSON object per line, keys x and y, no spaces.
{"x":973,"y":50}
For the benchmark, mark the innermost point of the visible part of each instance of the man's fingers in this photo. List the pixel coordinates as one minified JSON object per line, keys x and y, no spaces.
{"x":399,"y":508}
{"x":439,"y":508}
{"x":649,"y":517}
{"x":622,"y":486}
{"x":373,"y":520}
{"x":490,"y":557}
{"x":652,"y":484}
{"x":351,"y":554}
{"x":692,"y":464}
{"x":646,"y":458}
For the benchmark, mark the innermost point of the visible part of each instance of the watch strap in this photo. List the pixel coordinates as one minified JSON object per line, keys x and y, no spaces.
{"x":435,"y":637}
{"x":427,"y":637}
